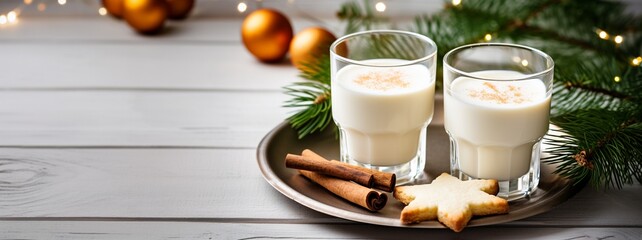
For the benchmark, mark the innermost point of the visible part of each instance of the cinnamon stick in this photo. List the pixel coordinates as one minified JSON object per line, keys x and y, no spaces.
{"x":355,"y":193}
{"x":382,"y":180}
{"x":330,"y":169}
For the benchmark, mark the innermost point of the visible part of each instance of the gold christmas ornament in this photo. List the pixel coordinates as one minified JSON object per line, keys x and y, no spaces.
{"x":114,"y":7}
{"x":179,"y":9}
{"x":311,"y":43}
{"x":267,"y":34}
{"x":145,"y":16}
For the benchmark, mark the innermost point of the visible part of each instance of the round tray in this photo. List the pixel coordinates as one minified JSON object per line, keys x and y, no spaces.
{"x":552,"y":189}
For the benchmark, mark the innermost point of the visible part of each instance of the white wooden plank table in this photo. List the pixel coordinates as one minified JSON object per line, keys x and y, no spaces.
{"x":106,"y":134}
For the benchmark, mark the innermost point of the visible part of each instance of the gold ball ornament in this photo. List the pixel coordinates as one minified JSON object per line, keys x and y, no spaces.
{"x":310,"y":44}
{"x":266,"y":33}
{"x":179,"y":9}
{"x":145,"y":16}
{"x":114,"y":7}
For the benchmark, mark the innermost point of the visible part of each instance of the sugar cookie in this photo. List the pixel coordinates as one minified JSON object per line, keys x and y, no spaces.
{"x":452,"y":201}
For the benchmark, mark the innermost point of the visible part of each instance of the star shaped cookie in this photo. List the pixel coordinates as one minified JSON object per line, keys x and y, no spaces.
{"x":452,"y":201}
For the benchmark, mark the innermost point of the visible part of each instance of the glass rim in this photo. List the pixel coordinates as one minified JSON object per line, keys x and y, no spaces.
{"x":361,"y":63}
{"x":524,"y":77}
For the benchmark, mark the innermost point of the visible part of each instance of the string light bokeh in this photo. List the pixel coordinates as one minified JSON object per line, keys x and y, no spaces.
{"x":241,"y":7}
{"x":488,"y":37}
{"x":380,"y":7}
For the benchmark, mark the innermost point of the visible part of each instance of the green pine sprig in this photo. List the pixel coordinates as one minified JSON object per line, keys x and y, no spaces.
{"x":602,"y":146}
{"x":592,"y":84}
{"x":311,"y":98}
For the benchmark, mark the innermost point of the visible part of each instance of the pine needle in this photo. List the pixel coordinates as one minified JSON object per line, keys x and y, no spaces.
{"x":600,"y":145}
{"x":311,"y":99}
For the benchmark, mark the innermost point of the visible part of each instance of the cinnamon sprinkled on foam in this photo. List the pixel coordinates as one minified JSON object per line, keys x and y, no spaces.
{"x":492,"y":93}
{"x":382,"y":80}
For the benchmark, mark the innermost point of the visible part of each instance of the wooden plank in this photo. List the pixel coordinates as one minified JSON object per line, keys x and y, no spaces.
{"x":134,"y":118}
{"x":149,"y":183}
{"x":594,"y":207}
{"x":216,"y":230}
{"x":139,"y":66}
{"x":217,"y":185}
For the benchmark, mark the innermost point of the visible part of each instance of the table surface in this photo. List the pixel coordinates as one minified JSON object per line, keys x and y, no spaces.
{"x":107,"y":134}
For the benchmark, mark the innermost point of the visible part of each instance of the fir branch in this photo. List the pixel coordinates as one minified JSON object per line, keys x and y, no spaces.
{"x":311,"y":99}
{"x":578,"y":23}
{"x":600,"y":145}
{"x":591,"y":85}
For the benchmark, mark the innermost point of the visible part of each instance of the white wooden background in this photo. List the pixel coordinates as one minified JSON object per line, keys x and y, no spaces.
{"x":106,"y":134}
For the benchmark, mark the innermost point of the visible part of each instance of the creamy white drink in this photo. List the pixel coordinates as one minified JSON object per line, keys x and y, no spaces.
{"x":496,"y":124}
{"x":383,"y":110}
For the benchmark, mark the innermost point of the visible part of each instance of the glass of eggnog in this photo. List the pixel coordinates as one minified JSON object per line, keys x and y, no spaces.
{"x":383,"y":87}
{"x":497,"y":100}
